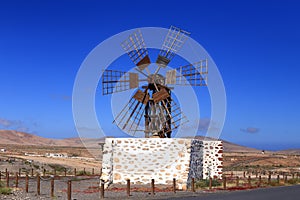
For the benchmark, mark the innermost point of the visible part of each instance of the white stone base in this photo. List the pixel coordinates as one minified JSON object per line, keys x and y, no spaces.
{"x":162,"y":159}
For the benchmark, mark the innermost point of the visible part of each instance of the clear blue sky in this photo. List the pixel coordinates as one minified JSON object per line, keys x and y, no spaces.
{"x":255,"y":44}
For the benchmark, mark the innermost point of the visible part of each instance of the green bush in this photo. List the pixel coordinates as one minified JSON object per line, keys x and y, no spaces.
{"x":292,"y":181}
{"x":205,"y":183}
{"x":275,"y":183}
{"x":5,"y":190}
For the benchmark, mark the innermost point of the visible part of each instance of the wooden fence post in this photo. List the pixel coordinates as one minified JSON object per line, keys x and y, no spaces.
{"x":102,"y":189}
{"x":193,"y":184}
{"x":19,"y":171}
{"x":74,"y":171}
{"x":17,"y":179}
{"x":237,"y":181}
{"x":244,"y":174}
{"x":69,"y":190}
{"x":5,"y":172}
{"x":44,"y":172}
{"x":31,"y":172}
{"x":278,"y":178}
{"x":7,"y":179}
{"x":174,"y":185}
{"x":52,"y":187}
{"x":38,"y":185}
{"x":152,"y":187}
{"x":259,"y":181}
{"x":65,"y":171}
{"x":210,"y":183}
{"x":128,"y":187}
{"x":83,"y":171}
{"x":249,"y":181}
{"x":93,"y":171}
{"x":26,"y":183}
{"x":269,"y":179}
{"x":224,"y":183}
{"x":285,"y":179}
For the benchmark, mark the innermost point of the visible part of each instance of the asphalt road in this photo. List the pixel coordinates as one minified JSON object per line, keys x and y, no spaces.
{"x":275,"y":193}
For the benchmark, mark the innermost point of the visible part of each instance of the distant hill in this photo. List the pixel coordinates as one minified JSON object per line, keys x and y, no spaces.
{"x":290,"y":151}
{"x":21,"y":138}
{"x":231,"y":147}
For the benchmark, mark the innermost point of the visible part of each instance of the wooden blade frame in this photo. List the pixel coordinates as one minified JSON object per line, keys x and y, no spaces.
{"x":130,"y":116}
{"x":173,"y":42}
{"x":118,"y":81}
{"x":193,"y":74}
{"x":136,"y":49}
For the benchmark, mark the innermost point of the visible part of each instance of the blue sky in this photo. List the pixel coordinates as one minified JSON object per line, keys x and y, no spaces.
{"x":255,"y":44}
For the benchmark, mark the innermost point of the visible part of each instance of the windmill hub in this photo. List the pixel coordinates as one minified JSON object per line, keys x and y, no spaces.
{"x":157,"y":78}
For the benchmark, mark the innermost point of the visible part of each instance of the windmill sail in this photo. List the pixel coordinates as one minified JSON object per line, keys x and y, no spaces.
{"x":193,"y":74}
{"x":173,"y":42}
{"x":136,"y":49}
{"x":118,"y":81}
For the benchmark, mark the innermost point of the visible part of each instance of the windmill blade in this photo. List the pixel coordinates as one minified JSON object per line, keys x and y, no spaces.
{"x":173,"y":42}
{"x":136,"y":49}
{"x":118,"y":81}
{"x":193,"y":74}
{"x":130,"y":116}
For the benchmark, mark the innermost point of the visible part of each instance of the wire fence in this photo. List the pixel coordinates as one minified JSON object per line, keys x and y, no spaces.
{"x":65,"y":185}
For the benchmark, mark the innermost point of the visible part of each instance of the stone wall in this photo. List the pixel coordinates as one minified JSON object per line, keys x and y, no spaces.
{"x":143,"y":159}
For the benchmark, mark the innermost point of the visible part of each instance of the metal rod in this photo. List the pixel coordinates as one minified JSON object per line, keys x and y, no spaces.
{"x":137,"y":69}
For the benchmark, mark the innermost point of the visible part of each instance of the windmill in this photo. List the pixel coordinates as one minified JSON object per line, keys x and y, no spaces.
{"x":152,"y":103}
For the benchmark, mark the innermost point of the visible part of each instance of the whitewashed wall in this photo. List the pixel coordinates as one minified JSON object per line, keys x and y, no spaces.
{"x":143,"y":159}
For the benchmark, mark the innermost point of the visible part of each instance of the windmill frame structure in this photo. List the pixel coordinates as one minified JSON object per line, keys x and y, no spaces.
{"x":153,"y":103}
